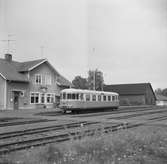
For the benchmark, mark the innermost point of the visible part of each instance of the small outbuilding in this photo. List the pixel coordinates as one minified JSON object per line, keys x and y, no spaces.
{"x":161,"y":100}
{"x":133,"y":94}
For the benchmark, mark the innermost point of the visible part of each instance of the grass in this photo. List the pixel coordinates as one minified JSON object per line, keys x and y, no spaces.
{"x":146,"y":145}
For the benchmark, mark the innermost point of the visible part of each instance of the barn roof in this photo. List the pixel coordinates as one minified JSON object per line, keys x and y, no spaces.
{"x":129,"y":89}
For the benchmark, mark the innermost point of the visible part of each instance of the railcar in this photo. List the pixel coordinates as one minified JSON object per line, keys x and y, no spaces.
{"x":77,"y":99}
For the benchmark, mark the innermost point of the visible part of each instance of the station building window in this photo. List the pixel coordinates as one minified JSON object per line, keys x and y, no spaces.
{"x":38,"y":79}
{"x":49,"y":98}
{"x":34,"y":98}
{"x":42,"y":98}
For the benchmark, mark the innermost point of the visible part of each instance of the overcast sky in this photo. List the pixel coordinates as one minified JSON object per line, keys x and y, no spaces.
{"x":125,"y":39}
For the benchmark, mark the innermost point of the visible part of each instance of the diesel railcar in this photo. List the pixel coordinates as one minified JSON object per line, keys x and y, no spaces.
{"x":77,"y":99}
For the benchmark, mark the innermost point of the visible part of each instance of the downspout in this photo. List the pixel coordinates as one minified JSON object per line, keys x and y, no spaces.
{"x":5,"y":95}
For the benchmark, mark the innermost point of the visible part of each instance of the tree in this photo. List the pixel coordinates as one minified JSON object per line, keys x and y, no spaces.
{"x":95,"y":80}
{"x":161,"y":91}
{"x":164,"y":92}
{"x":158,"y":91}
{"x":80,"y":83}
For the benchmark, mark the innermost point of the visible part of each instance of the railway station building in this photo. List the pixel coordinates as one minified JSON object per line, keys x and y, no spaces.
{"x":30,"y":84}
{"x":133,"y":94}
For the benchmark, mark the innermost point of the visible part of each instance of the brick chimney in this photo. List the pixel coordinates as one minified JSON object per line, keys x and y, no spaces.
{"x":8,"y":57}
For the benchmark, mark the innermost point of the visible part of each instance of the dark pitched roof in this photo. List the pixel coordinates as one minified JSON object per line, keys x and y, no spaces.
{"x":129,"y":89}
{"x":9,"y":70}
{"x":27,"y":66}
{"x":13,"y":70}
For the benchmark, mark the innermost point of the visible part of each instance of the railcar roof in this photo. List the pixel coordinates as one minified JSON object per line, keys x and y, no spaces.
{"x":72,"y":90}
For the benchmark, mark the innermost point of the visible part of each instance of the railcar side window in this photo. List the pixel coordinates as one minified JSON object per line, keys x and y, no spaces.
{"x":73,"y":96}
{"x":93,"y":97}
{"x":104,"y":98}
{"x":81,"y":96}
{"x":87,"y":97}
{"x":113,"y":98}
{"x":77,"y":96}
{"x":68,"y":96}
{"x":109,"y":98}
{"x":99,"y":97}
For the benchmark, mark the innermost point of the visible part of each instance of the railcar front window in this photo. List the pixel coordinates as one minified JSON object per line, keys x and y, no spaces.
{"x":64,"y":95}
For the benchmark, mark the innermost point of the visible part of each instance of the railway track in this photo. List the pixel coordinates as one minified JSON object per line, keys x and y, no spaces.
{"x":137,"y":115}
{"x":22,"y":121}
{"x":29,"y":138}
{"x":44,"y":129}
{"x":39,"y":141}
{"x":132,"y":110}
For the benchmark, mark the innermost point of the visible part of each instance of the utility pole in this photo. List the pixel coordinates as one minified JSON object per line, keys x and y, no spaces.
{"x":8,"y":42}
{"x":94,"y":80}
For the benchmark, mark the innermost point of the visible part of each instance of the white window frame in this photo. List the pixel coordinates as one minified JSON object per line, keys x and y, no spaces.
{"x":34,"y":97}
{"x":46,"y":96}
{"x":48,"y":79}
{"x":37,"y":76}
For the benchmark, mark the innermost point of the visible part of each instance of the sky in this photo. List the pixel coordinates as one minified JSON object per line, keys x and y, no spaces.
{"x":125,"y":39}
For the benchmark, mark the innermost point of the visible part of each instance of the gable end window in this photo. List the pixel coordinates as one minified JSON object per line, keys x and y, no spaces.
{"x":38,"y":79}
